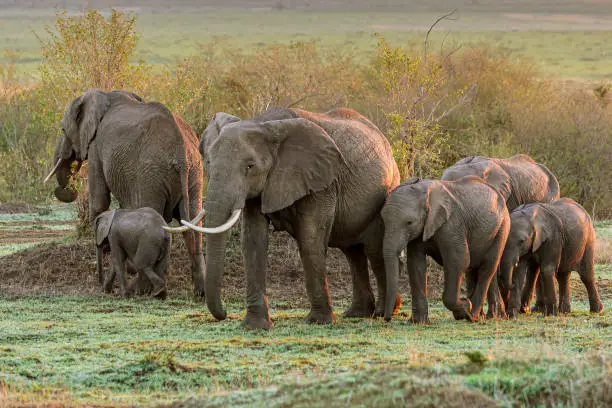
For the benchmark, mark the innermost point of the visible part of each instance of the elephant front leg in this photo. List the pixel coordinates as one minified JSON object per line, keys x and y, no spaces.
{"x":196,"y":258}
{"x":254,"y":252}
{"x":547,"y":276}
{"x":99,"y":266}
{"x":363,"y":298}
{"x":416,"y":263}
{"x":528,"y":290}
{"x":539,"y":296}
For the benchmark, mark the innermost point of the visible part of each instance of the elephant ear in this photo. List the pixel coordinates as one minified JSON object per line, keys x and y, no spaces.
{"x":307,"y":160}
{"x":497,"y":178}
{"x":212,"y":131}
{"x":83,"y":118}
{"x":547,"y":227}
{"x":102,"y":224}
{"x":439,"y":206}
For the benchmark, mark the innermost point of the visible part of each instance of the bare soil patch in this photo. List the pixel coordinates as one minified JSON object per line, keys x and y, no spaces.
{"x":55,"y":268}
{"x":17,"y":208}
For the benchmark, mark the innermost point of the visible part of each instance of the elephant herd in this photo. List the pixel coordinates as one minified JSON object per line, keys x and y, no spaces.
{"x":329,"y":180}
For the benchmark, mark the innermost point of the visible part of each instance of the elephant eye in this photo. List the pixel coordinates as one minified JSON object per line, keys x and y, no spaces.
{"x":250,"y":166}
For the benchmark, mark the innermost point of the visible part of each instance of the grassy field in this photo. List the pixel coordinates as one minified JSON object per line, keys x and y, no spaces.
{"x":68,"y":350}
{"x":83,"y":350}
{"x":564,"y":43}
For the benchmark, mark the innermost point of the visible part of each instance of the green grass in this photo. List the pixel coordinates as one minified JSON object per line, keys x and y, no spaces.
{"x":564,"y":48}
{"x":81,"y":350}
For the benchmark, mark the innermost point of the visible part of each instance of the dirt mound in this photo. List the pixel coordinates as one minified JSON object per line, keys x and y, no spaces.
{"x":71,"y":269}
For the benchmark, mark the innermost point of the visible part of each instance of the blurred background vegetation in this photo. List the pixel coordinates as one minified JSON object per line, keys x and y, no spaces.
{"x":435,"y":104}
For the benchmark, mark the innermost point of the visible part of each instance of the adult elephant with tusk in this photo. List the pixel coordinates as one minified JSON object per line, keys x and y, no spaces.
{"x":321,"y":177}
{"x":141,"y":153}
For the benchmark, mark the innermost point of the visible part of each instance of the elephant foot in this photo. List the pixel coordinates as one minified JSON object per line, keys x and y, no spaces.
{"x":253,"y":322}
{"x":108,"y":287}
{"x":320,"y":317}
{"x":538,"y":308}
{"x":141,"y":287}
{"x":418,"y":319}
{"x":565,"y":307}
{"x":551,"y":310}
{"x":160,"y":292}
{"x":496,"y":313}
{"x":380,"y":307}
{"x":360,"y":310}
{"x":596,"y":307}
{"x":463,"y":310}
{"x":198,"y":289}
{"x":513,"y":312}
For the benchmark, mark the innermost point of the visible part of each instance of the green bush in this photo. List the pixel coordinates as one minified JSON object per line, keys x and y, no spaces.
{"x":435,"y":107}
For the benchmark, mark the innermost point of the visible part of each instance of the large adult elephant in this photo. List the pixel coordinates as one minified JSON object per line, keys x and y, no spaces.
{"x":141,"y":153}
{"x":519,"y":179}
{"x":321,"y":177}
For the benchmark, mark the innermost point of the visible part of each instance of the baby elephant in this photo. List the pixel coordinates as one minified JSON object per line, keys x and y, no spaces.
{"x":463,"y":225}
{"x":549,"y":240}
{"x":135,"y":236}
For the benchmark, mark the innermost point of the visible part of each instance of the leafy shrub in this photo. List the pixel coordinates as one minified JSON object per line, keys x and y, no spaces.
{"x":435,"y":108}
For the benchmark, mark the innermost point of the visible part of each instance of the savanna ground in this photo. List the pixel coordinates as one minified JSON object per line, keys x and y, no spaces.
{"x":62,"y":343}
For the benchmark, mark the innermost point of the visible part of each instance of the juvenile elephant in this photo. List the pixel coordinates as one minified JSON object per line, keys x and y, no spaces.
{"x":138,"y":151}
{"x":519,"y":179}
{"x":463,"y":225}
{"x":321,"y":177}
{"x":135,"y":236}
{"x":549,"y":240}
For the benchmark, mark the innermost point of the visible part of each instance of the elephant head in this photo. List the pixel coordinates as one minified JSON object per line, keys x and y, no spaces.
{"x":277,"y":161}
{"x":414,"y":210}
{"x":532,"y":225}
{"x":79,"y":126}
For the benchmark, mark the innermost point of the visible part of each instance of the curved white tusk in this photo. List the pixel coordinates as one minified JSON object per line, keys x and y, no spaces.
{"x":53,"y":170}
{"x":184,"y":228}
{"x":221,"y":228}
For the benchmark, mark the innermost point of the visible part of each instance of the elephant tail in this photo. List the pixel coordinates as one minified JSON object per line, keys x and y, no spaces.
{"x":553,"y":184}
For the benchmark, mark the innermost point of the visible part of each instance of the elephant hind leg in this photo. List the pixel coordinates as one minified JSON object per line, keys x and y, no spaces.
{"x":363,"y":298}
{"x":564,"y":291}
{"x":586,"y":270}
{"x":119,"y":265}
{"x":456,"y":263}
{"x":486,"y":280}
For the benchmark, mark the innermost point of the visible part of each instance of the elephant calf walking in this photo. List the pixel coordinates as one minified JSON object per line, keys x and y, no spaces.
{"x":463,"y":225}
{"x":550,"y":240}
{"x":135,"y":236}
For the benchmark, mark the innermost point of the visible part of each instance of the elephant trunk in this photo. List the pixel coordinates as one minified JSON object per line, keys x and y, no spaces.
{"x":506,"y":269}
{"x":63,"y":158}
{"x":217,"y":214}
{"x":391,"y":251}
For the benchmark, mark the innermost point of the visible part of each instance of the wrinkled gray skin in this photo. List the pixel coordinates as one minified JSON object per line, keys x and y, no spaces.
{"x":136,"y":237}
{"x":321,"y":177}
{"x":520,"y":180}
{"x":549,"y":240}
{"x":462,"y":225}
{"x":142,"y":154}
